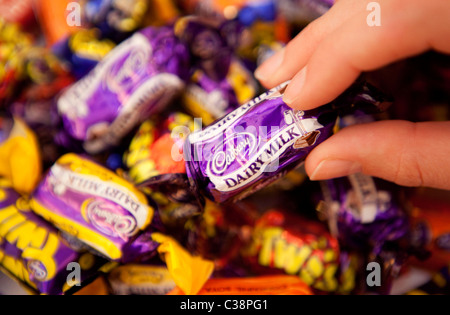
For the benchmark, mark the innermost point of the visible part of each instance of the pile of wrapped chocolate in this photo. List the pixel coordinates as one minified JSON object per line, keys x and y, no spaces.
{"x":139,"y":155}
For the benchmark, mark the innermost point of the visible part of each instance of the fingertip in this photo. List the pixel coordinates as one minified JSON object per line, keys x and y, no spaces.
{"x":311,"y":164}
{"x":295,"y":95}
{"x":292,"y":95}
{"x":328,"y":169}
{"x":397,"y":151}
{"x":264,"y":82}
{"x":266,"y":71}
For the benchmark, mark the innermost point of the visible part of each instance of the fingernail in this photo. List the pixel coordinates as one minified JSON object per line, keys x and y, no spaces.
{"x":328,"y":169}
{"x":270,"y":66}
{"x":292,"y":92}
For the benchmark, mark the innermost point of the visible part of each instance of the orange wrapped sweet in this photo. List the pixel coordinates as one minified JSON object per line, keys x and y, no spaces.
{"x":266,"y":285}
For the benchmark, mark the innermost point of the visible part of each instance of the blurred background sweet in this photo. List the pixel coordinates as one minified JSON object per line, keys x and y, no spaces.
{"x":123,"y":83}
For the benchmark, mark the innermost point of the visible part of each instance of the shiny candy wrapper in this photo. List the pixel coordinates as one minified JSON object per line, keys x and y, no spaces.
{"x":20,"y":157}
{"x":157,"y":147}
{"x":140,"y":280}
{"x":283,"y":242}
{"x":212,"y":8}
{"x":369,"y":218}
{"x":253,"y":11}
{"x":162,"y":12}
{"x":211,"y":43}
{"x":210,"y":100}
{"x":96,"y":207}
{"x":438,"y":283}
{"x":137,"y":79}
{"x":13,"y":47}
{"x":175,"y":198}
{"x":33,"y":251}
{"x":36,"y":107}
{"x":263,"y":285}
{"x":246,"y":12}
{"x":83,"y":50}
{"x":220,"y":232}
{"x":365,"y":213}
{"x":262,"y":140}
{"x":26,"y":69}
{"x":189,"y":272}
{"x":220,"y":82}
{"x":156,"y":154}
{"x":116,"y":19}
{"x":97,"y":287}
{"x":107,"y":215}
{"x":430,"y":229}
{"x":46,"y":76}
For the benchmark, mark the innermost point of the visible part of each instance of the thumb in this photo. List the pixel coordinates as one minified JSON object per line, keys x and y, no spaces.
{"x":409,"y":154}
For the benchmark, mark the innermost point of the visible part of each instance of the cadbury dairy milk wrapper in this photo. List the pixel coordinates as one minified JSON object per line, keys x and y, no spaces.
{"x":107,"y":214}
{"x":138,"y":78}
{"x":97,"y":208}
{"x":262,"y":140}
{"x":33,"y":251}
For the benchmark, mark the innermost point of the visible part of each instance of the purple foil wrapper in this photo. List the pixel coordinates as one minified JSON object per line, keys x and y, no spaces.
{"x":219,"y":79}
{"x":211,"y":43}
{"x":367,"y":217}
{"x":364,"y":212}
{"x":137,"y":79}
{"x":33,"y":251}
{"x":116,"y":19}
{"x":96,"y":207}
{"x":261,"y":141}
{"x":206,"y":95}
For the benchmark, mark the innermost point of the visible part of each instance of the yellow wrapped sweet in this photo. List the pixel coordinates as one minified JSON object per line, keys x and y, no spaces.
{"x":20,"y":158}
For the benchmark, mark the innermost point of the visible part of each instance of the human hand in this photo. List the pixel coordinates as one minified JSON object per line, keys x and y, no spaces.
{"x":331,"y":52}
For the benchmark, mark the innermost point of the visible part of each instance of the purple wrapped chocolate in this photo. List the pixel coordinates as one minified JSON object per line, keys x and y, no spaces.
{"x":364,"y":212}
{"x":208,"y":99}
{"x":32,"y":250}
{"x":211,"y":43}
{"x":138,"y":78}
{"x":367,"y":217}
{"x":262,"y":140}
{"x":97,"y":208}
{"x":220,"y":82}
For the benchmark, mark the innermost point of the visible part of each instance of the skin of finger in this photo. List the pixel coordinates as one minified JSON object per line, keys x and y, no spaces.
{"x":298,"y":51}
{"x":409,"y":154}
{"x":440,"y":11}
{"x":340,"y":58}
